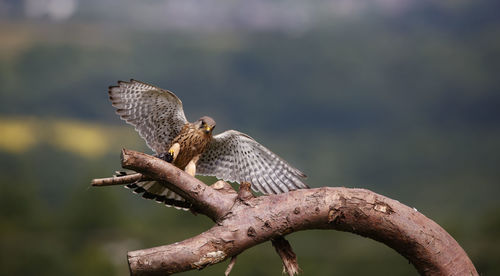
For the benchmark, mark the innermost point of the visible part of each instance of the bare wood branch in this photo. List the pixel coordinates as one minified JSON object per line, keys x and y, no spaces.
{"x":288,"y":257}
{"x":230,"y":265}
{"x":243,"y":222}
{"x":118,"y":180}
{"x":205,"y":199}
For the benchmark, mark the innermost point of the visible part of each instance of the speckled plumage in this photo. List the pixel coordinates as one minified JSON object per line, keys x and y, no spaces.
{"x":158,"y":116}
{"x":193,"y":141}
{"x":156,"y":113}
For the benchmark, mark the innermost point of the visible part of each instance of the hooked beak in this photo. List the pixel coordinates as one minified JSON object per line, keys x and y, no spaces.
{"x":208,"y":129}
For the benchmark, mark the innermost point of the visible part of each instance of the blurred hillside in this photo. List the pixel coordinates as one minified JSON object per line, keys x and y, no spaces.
{"x":399,"y":97}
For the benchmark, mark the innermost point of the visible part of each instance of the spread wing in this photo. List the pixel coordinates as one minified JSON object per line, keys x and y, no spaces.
{"x":155,"y":113}
{"x":235,"y":156}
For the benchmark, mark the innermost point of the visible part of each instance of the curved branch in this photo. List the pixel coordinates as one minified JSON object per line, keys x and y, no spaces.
{"x":205,"y":199}
{"x":243,"y":222}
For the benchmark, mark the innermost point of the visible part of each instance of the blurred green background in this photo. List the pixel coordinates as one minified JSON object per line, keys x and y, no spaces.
{"x":399,"y":97}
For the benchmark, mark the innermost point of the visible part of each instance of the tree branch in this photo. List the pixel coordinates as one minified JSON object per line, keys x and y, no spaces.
{"x":118,"y":180}
{"x":205,"y":199}
{"x":284,"y":250}
{"x":244,"y":221}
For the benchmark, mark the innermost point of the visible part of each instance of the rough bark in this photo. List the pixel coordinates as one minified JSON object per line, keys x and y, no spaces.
{"x":243,"y":221}
{"x":205,"y":199}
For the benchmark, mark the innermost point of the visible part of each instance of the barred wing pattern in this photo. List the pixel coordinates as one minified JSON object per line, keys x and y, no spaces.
{"x":155,"y":113}
{"x":158,"y":117}
{"x":235,"y":156}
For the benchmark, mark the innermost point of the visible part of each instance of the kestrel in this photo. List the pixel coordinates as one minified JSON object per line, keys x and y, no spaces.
{"x":158,"y":116}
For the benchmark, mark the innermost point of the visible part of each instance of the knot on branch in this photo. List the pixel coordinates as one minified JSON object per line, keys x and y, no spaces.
{"x":223,"y":187}
{"x":245,"y":191}
{"x":210,"y":258}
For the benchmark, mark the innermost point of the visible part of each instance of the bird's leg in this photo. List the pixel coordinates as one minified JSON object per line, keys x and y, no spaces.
{"x":191,"y":166}
{"x":172,"y":153}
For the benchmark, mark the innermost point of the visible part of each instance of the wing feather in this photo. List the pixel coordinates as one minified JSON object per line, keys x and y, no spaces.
{"x":155,"y":113}
{"x":158,"y":117}
{"x":235,"y":156}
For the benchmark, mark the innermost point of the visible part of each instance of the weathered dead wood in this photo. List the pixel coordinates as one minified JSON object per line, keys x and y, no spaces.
{"x":284,"y":250}
{"x":231,"y":265}
{"x":244,"y":221}
{"x":205,"y":199}
{"x":118,"y":180}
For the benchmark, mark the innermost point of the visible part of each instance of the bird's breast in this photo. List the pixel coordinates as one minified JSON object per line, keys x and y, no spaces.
{"x":192,"y":143}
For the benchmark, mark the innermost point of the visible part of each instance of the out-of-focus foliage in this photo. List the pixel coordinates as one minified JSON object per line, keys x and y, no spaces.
{"x":405,"y":103}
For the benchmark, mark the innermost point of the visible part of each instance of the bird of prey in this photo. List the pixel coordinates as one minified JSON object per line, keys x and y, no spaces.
{"x":158,"y":116}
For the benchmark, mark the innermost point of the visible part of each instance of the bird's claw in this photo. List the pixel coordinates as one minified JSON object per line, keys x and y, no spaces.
{"x":168,"y":156}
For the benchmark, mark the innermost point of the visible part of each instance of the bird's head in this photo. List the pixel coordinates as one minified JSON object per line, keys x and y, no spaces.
{"x":206,"y":124}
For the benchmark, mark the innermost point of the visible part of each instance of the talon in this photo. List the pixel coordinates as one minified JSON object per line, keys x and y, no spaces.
{"x":173,"y":152}
{"x":169,"y":157}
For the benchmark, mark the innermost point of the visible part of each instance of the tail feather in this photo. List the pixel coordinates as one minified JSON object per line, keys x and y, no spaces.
{"x":131,"y":186}
{"x":157,"y":191}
